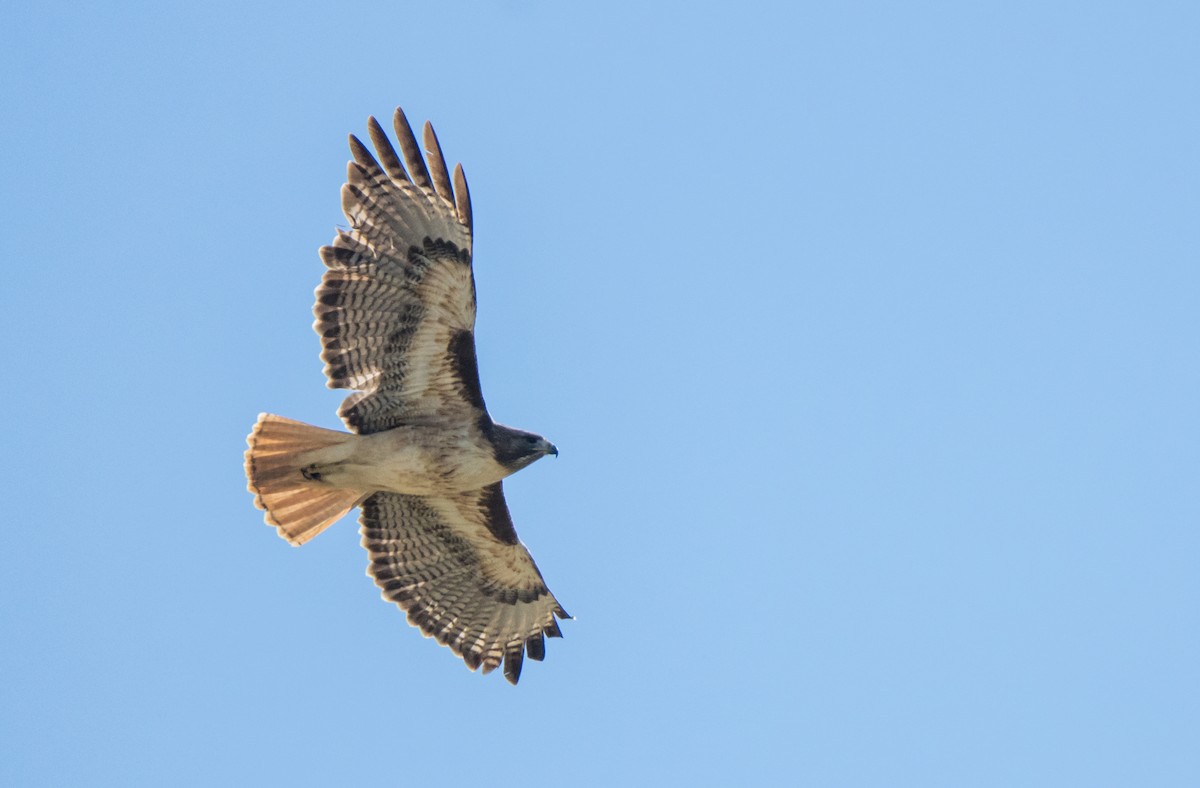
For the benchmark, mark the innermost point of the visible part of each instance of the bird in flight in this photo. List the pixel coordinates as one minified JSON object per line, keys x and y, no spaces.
{"x":396,"y":315}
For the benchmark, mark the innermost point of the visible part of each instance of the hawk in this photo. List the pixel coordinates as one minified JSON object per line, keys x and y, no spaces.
{"x":396,"y":315}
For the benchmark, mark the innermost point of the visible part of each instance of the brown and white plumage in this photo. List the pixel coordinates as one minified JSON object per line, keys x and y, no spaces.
{"x":396,"y":315}
{"x":454,"y":563}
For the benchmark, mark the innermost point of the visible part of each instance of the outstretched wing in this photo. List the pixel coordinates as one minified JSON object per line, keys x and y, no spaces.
{"x":455,"y":565}
{"x":396,"y":309}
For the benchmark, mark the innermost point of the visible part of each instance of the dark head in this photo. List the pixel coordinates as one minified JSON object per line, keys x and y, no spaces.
{"x":516,"y":448}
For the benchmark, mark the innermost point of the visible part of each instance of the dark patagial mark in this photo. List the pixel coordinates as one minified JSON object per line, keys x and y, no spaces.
{"x":498,"y":520}
{"x":466,"y":368}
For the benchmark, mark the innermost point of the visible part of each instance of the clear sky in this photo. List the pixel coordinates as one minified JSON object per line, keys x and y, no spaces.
{"x":868,"y":333}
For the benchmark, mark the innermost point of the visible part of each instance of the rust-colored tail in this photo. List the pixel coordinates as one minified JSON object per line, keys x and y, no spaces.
{"x":298,"y":507}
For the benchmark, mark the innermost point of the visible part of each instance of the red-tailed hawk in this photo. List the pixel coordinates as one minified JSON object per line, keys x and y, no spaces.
{"x":396,"y":316}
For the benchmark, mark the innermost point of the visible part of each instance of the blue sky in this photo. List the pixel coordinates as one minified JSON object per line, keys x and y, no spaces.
{"x":867,"y":331}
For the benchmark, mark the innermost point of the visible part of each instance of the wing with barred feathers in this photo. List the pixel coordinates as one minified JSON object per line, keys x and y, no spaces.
{"x":396,"y":309}
{"x":456,"y":567}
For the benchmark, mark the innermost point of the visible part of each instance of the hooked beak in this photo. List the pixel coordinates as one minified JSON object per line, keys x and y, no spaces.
{"x":552,"y":449}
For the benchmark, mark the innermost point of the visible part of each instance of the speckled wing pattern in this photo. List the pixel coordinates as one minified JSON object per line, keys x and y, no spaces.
{"x":456,"y":566}
{"x":396,"y":309}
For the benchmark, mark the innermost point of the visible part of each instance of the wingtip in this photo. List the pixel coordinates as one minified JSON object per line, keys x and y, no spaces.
{"x":535,"y":647}
{"x":387,"y":153}
{"x":513,"y":658}
{"x":398,"y":117}
{"x":417,"y":171}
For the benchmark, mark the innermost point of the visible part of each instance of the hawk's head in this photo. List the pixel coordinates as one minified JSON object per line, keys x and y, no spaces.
{"x":516,"y":448}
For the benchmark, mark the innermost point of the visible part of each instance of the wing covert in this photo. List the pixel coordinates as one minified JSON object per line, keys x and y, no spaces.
{"x":399,"y":294}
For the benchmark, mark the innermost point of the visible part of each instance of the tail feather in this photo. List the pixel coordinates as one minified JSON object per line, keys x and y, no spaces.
{"x":298,"y":507}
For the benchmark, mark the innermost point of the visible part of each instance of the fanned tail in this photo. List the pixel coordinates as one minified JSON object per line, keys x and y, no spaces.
{"x":299,"y":507}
